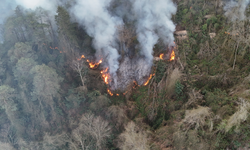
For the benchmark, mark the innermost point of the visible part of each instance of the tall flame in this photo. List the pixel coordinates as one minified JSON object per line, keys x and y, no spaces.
{"x":105,"y":75}
{"x":172,"y":56}
{"x":161,"y":56}
{"x":150,"y":77}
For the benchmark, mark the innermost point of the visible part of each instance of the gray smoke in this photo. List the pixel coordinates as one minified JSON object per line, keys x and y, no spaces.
{"x":101,"y":25}
{"x":236,"y":10}
{"x":153,"y":22}
{"x":6,"y":9}
{"x":135,"y":69}
{"x":50,"y":5}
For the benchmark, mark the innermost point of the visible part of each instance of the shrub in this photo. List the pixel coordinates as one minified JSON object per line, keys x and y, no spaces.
{"x":179,"y":88}
{"x":197,"y":117}
{"x":133,"y":138}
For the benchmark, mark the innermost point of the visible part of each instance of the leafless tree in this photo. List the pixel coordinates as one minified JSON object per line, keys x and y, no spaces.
{"x":90,"y":133}
{"x":133,"y":138}
{"x":96,"y":127}
{"x":78,"y":66}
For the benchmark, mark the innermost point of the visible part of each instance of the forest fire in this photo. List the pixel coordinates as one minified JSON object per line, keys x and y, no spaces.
{"x":172,"y":56}
{"x":94,"y":65}
{"x":161,"y":56}
{"x":82,"y":56}
{"x":105,"y":75}
{"x":110,"y":93}
{"x":150,"y":77}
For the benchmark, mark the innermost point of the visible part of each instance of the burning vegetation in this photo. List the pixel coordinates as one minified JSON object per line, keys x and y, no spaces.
{"x":94,"y":65}
{"x":108,"y":79}
{"x":171,"y":57}
{"x":150,"y":77}
{"x":105,"y":75}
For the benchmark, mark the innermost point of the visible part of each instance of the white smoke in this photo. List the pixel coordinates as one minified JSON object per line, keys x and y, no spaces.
{"x":6,"y":8}
{"x":101,"y":25}
{"x":153,"y":22}
{"x":236,"y":10}
{"x":50,"y":5}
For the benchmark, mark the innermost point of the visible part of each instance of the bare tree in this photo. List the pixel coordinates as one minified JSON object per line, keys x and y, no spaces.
{"x":96,"y":127}
{"x":79,"y":67}
{"x":90,"y":133}
{"x":133,"y":138}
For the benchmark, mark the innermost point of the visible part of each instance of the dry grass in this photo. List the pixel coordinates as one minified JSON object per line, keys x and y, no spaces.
{"x":133,"y":138}
{"x":241,"y":89}
{"x":172,"y":79}
{"x":239,"y":116}
{"x":197,"y":117}
{"x":194,"y":98}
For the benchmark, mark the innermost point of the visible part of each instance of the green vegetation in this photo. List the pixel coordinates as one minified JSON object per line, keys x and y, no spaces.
{"x":200,"y":100}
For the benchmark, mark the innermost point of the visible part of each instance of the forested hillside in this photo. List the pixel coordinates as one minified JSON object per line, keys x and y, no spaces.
{"x":62,"y":87}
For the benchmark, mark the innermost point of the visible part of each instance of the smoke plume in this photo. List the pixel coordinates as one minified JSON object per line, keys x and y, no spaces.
{"x":6,"y":9}
{"x":50,"y":5}
{"x":101,"y":25}
{"x":100,"y":18}
{"x":153,"y":21}
{"x":236,"y":10}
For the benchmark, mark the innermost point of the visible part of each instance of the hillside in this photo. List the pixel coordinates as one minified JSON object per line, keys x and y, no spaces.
{"x":118,"y":75}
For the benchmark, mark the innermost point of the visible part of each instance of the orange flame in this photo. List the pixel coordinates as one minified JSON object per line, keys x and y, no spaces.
{"x":150,"y":77}
{"x":172,"y":56}
{"x":110,"y":93}
{"x":135,"y":85}
{"x":82,"y":56}
{"x":105,"y":76}
{"x":161,"y":56}
{"x":94,"y":65}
